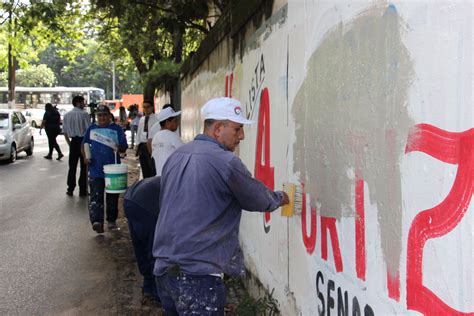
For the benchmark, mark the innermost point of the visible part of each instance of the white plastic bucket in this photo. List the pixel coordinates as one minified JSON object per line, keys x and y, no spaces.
{"x":116,"y":178}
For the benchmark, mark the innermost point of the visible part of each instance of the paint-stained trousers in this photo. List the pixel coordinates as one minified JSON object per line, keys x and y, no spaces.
{"x":142,"y":231}
{"x":96,"y":202}
{"x":186,"y":294}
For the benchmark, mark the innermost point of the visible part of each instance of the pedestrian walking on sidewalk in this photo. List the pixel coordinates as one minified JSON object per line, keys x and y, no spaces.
{"x":134,"y":115}
{"x":51,"y":124}
{"x":75,"y":124}
{"x":105,"y":140}
{"x":146,"y":122}
{"x":204,"y":188}
{"x":141,"y":206}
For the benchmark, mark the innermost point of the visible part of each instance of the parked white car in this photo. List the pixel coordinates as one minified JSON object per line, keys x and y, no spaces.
{"x":15,"y":135}
{"x":34,"y":116}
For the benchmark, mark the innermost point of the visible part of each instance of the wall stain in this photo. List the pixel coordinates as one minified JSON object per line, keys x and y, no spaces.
{"x":351,"y":117}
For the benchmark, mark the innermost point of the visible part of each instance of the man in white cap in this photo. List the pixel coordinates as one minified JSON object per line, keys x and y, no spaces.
{"x":166,"y":140}
{"x":204,"y":188}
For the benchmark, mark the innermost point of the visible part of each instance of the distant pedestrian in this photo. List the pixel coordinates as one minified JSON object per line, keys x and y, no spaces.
{"x":204,"y":188}
{"x":141,"y":206}
{"x":52,"y":125}
{"x":122,"y":122}
{"x":75,"y":124}
{"x":166,"y":141}
{"x":146,"y":122}
{"x":106,"y":140}
{"x":134,"y":115}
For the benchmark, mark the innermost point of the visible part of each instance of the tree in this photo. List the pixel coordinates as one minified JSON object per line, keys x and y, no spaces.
{"x":36,"y":76}
{"x":94,"y":68}
{"x":33,"y":25}
{"x":155,"y":33}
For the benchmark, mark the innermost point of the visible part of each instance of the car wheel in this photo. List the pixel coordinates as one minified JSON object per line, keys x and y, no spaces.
{"x":33,"y":124}
{"x":12,"y":154}
{"x":29,"y":151}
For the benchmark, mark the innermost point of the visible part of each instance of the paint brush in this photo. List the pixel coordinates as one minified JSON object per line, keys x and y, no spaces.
{"x":295,"y":196}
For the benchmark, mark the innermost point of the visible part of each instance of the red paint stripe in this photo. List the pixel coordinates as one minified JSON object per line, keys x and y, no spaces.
{"x":264,"y":172}
{"x":329,"y":224}
{"x":441,"y":219}
{"x":393,"y":285}
{"x":308,"y":241}
{"x":435,"y":142}
{"x":360,"y":229}
{"x":226,"y":92}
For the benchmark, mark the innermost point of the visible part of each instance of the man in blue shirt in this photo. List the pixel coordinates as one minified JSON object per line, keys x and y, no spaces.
{"x":106,"y":140}
{"x":141,"y":206}
{"x":204,"y":189}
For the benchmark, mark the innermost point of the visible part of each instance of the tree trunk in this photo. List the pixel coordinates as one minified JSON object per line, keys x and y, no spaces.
{"x":149,"y":91}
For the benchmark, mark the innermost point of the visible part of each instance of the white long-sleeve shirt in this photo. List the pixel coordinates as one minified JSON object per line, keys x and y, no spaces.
{"x":142,"y":137}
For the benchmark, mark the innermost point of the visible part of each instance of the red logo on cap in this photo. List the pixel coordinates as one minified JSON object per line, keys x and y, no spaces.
{"x":237,"y":110}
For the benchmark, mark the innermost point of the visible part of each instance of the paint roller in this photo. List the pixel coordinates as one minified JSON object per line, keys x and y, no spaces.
{"x":295,"y":197}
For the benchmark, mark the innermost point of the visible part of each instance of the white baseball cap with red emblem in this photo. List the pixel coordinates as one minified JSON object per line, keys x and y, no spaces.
{"x":224,"y":109}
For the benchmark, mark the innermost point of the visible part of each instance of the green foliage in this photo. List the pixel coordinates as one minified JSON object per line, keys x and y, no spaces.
{"x":36,"y":76}
{"x":94,"y":68}
{"x":265,"y":306}
{"x":246,"y":304}
{"x":153,"y":33}
{"x":162,"y":73}
{"x":34,"y":26}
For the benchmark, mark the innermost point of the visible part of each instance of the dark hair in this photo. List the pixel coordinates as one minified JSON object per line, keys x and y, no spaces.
{"x":162,"y":123}
{"x":148,"y":101}
{"x":77,"y":99}
{"x":168,"y":105}
{"x":48,"y":107}
{"x":208,"y":123}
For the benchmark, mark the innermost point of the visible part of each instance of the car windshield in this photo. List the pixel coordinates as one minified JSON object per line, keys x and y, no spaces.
{"x":3,"y":120}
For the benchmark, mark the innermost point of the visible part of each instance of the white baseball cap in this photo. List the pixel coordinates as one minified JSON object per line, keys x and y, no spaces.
{"x":167,"y":113}
{"x":224,"y":109}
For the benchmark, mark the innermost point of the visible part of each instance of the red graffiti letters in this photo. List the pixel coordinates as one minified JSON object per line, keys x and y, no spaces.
{"x":309,"y":241}
{"x":453,"y":148}
{"x":360,"y":229}
{"x":329,"y":223}
{"x":263,"y":169}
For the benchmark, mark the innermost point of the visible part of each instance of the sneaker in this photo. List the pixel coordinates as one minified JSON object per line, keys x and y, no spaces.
{"x":83,"y":193}
{"x":111,"y":225}
{"x":69,"y":193}
{"x":48,"y":157}
{"x":59,"y":156}
{"x":98,"y":227}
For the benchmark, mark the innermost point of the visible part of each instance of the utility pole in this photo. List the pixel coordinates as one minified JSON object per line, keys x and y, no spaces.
{"x":113,"y":80}
{"x":11,"y":62}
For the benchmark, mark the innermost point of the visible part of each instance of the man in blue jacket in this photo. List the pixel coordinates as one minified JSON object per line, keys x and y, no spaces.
{"x":142,"y":209}
{"x":204,"y":188}
{"x":106,"y":140}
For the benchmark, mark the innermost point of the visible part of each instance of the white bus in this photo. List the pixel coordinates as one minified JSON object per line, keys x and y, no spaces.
{"x":29,"y":97}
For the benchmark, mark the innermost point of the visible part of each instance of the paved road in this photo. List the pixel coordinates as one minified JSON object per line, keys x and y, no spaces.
{"x":51,"y":262}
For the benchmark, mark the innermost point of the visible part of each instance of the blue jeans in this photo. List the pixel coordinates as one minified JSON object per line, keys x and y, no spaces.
{"x":142,"y":231}
{"x":187,"y":294}
{"x":96,"y":202}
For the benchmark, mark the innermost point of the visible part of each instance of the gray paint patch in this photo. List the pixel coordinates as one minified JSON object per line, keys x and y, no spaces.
{"x":351,"y":114}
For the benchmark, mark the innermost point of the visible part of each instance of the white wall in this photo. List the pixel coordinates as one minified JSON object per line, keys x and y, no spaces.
{"x":370,"y":107}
